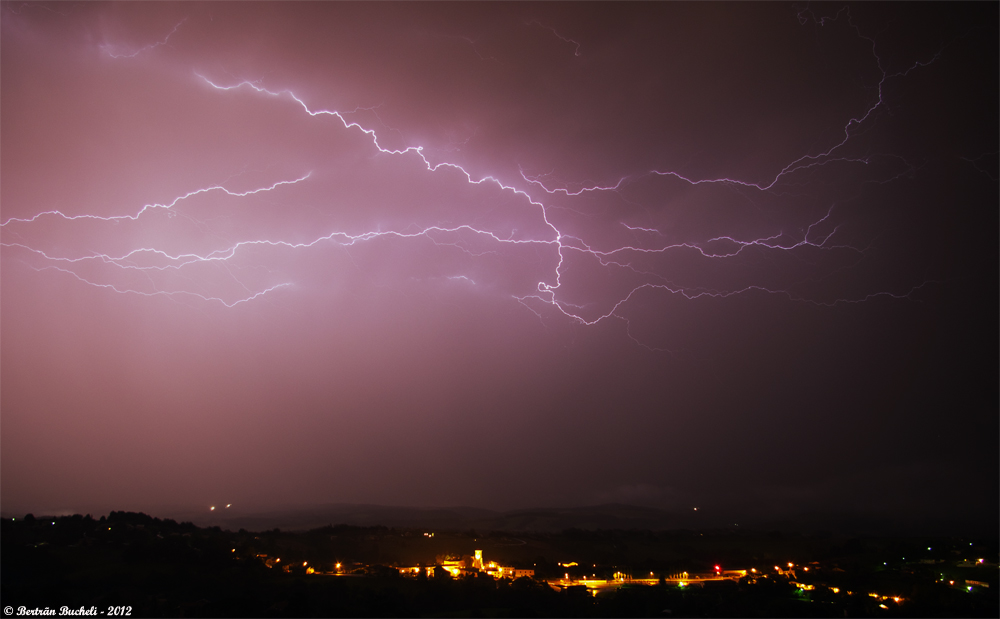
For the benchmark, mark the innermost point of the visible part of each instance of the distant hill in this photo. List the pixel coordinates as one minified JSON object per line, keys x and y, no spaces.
{"x":610,"y":516}
{"x":549,"y":520}
{"x":347,"y":513}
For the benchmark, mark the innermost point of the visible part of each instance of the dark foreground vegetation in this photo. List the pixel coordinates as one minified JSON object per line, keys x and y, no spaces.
{"x":161,"y":568}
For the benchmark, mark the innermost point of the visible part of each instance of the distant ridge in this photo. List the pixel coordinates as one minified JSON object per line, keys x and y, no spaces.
{"x":608,"y":516}
{"x":361,"y":515}
{"x":557,"y":519}
{"x":552,"y":520}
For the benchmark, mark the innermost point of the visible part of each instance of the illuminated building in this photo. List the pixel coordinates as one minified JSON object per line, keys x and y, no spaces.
{"x":469,"y":565}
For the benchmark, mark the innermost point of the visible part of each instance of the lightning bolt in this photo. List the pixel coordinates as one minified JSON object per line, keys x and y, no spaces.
{"x":166,"y":206}
{"x":115,"y":51}
{"x":575,"y":44}
{"x":639,"y":265}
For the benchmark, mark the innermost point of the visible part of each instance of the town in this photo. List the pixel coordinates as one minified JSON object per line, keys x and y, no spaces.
{"x":575,"y":576}
{"x":164,"y":568}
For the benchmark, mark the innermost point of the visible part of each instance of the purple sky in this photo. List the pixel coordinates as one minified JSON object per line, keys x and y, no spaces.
{"x":741,"y":256}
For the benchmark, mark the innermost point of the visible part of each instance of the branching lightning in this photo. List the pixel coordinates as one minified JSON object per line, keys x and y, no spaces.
{"x":147,"y":207}
{"x":638,"y":261}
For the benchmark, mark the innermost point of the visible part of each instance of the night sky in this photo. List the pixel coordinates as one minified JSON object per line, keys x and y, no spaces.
{"x":735,"y":256}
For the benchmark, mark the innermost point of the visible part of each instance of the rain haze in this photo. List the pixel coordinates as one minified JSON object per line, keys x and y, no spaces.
{"x":739,"y":257}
